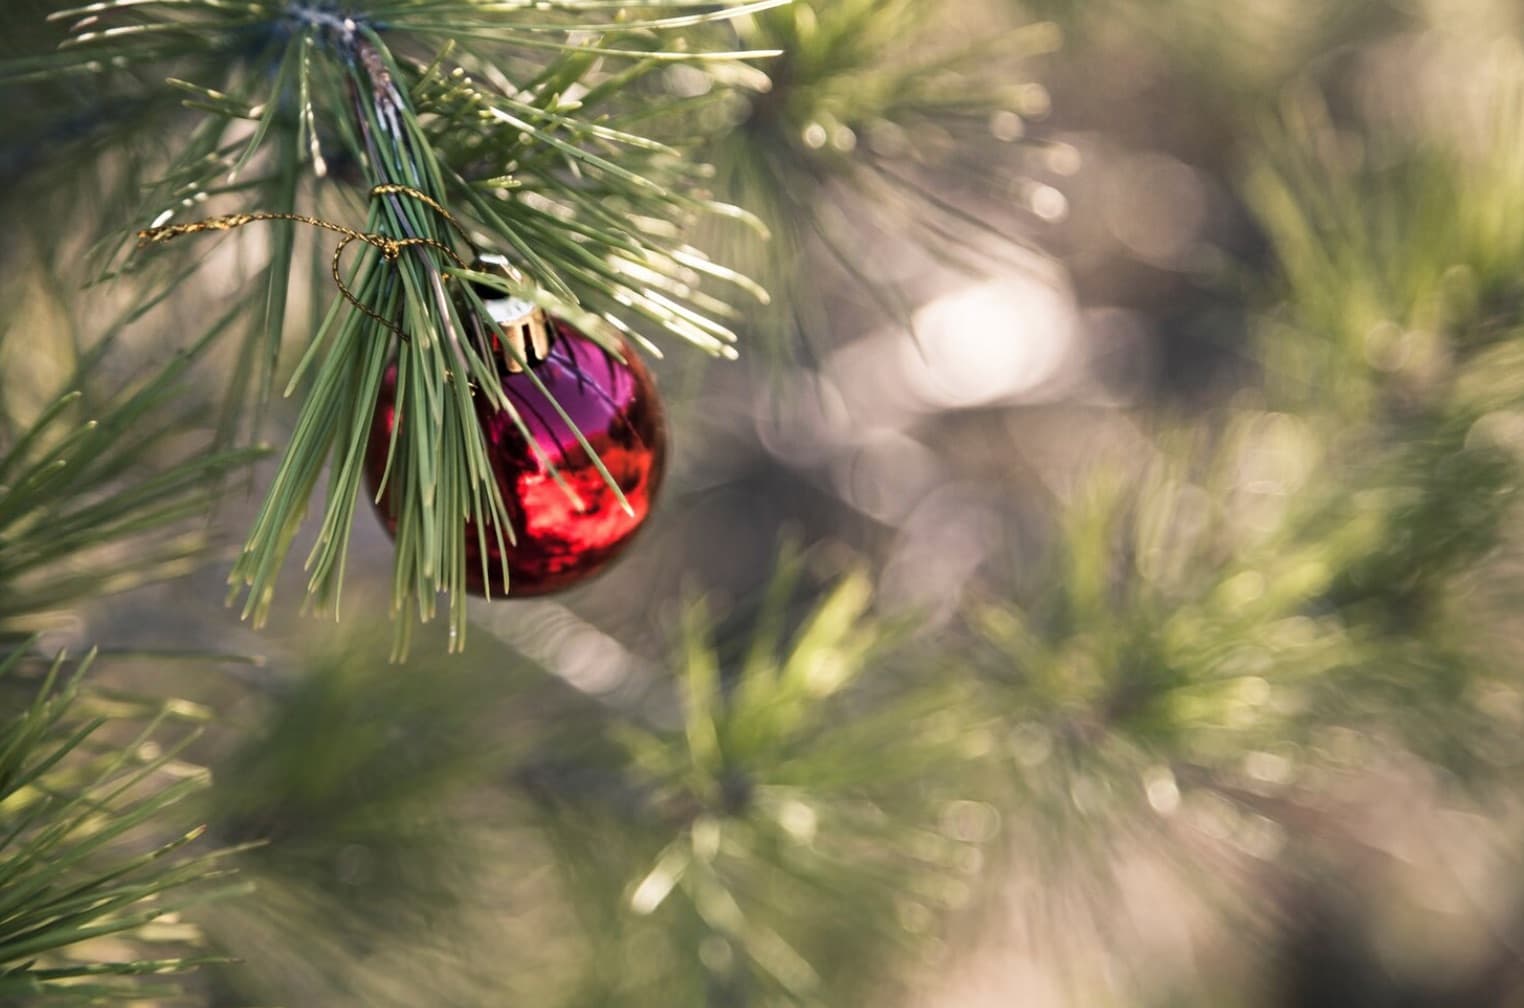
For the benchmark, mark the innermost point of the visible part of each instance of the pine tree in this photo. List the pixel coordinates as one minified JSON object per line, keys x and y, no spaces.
{"x":1124,"y":742}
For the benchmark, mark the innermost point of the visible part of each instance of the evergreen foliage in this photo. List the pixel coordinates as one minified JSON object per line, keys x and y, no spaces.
{"x":83,"y":860}
{"x":1245,"y":609}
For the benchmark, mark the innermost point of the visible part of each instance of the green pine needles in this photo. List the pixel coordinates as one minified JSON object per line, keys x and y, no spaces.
{"x":792,"y":837}
{"x":572,"y":137}
{"x":503,"y":113}
{"x":87,"y":507}
{"x":95,"y":497}
{"x":866,"y":101}
{"x":90,"y":895}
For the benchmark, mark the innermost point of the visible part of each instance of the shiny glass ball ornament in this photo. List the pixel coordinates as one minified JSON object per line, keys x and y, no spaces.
{"x":560,"y":541}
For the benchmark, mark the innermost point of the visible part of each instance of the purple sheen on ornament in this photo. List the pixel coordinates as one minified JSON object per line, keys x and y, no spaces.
{"x":560,"y":541}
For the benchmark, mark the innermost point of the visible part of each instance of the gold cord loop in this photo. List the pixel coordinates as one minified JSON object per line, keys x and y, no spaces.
{"x":389,"y":247}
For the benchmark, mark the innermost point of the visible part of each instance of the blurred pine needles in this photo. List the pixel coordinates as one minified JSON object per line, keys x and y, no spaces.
{"x":1318,"y":575}
{"x":91,"y":889}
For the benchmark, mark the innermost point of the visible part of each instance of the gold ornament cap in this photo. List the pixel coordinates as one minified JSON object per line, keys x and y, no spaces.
{"x":523,"y":329}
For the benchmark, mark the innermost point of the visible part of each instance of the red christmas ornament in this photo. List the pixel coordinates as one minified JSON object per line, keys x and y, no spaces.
{"x":561,"y":542}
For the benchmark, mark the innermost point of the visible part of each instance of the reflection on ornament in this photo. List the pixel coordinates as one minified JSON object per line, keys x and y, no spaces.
{"x":562,"y":538}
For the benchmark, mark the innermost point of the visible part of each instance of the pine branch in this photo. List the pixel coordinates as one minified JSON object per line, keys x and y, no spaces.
{"x":81,"y":857}
{"x":772,"y":845}
{"x":592,"y":213}
{"x":1395,"y":261}
{"x":1316,"y":581}
{"x":869,"y":98}
{"x":87,"y":509}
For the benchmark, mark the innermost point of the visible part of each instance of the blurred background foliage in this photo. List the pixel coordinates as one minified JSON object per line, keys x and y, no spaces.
{"x":1142,"y":380}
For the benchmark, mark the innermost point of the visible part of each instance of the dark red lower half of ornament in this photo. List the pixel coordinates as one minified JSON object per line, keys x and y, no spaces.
{"x":562,"y":538}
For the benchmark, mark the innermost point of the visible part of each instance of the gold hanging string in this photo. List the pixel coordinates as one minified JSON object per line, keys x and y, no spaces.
{"x":390,"y":248}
